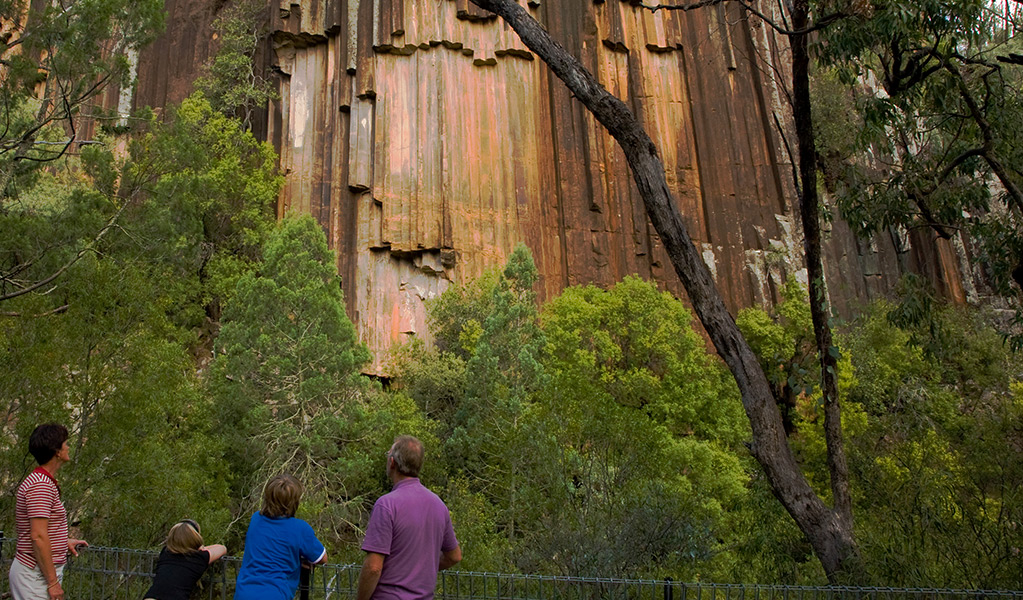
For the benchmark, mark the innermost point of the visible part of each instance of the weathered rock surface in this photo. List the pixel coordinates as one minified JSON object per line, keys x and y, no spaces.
{"x":428,"y":141}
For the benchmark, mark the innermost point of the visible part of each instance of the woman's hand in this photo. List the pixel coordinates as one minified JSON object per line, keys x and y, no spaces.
{"x":73,"y":546}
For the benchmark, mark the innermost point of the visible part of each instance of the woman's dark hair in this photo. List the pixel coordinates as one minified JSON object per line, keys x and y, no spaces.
{"x":46,"y":441}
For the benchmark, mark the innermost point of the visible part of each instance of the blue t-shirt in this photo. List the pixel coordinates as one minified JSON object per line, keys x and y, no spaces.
{"x":274,"y":549}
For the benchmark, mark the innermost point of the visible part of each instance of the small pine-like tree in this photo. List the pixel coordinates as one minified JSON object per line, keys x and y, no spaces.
{"x":287,"y":374}
{"x":503,"y":371}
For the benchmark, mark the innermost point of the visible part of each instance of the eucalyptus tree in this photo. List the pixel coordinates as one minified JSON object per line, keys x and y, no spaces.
{"x":231,"y":80}
{"x":937,"y":144}
{"x":633,"y":438}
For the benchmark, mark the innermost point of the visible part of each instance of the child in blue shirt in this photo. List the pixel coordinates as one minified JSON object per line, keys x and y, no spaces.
{"x":276,"y":545}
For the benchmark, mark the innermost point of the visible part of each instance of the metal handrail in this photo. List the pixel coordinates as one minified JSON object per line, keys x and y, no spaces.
{"x":115,"y":573}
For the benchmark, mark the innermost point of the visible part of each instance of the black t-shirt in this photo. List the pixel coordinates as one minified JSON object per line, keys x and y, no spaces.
{"x":177,"y":574}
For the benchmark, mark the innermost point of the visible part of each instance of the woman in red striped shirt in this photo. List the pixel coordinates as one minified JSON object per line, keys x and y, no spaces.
{"x":41,"y":521}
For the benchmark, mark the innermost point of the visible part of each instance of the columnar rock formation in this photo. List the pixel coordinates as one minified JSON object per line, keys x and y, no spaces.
{"x":428,"y":141}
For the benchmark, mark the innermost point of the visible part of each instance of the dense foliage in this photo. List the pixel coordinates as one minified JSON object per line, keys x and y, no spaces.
{"x":195,"y":347}
{"x":57,"y":59}
{"x":110,"y":347}
{"x":918,"y":114}
{"x":933,"y":423}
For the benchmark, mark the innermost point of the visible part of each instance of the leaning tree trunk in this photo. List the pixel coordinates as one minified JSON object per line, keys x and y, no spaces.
{"x":830,"y":535}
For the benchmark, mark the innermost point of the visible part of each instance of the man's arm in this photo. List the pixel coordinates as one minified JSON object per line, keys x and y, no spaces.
{"x":450,"y":558}
{"x":370,"y":575}
{"x":44,"y":555}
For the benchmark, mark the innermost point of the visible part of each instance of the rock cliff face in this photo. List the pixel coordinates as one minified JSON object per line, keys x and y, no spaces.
{"x":428,"y":141}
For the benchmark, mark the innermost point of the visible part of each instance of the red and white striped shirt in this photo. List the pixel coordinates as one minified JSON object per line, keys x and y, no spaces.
{"x":39,"y":497}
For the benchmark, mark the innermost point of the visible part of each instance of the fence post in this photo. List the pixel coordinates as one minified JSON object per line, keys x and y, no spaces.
{"x":303,"y":582}
{"x":669,"y":592}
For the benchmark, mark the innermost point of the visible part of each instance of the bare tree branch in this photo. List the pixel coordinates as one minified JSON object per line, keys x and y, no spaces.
{"x":55,"y":311}
{"x":820,"y":24}
{"x":681,"y":7}
{"x":78,"y":256}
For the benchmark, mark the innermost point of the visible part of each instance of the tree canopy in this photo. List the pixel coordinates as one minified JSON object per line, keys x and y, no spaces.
{"x":195,"y":347}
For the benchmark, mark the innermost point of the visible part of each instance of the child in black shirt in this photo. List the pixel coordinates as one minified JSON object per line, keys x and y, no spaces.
{"x":182,"y":562}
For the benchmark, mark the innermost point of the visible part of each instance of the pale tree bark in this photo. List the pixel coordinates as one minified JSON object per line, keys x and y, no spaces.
{"x":830,"y":535}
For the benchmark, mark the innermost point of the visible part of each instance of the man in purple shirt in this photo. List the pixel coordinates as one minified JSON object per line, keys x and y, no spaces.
{"x":409,"y":536}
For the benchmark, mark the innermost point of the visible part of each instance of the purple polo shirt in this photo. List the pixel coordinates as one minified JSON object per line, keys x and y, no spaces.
{"x":411,"y":527}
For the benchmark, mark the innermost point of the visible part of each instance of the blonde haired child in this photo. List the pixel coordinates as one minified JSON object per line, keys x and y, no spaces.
{"x":182,"y":562}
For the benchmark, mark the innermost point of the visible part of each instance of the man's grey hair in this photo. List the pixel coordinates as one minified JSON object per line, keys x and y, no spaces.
{"x":407,"y":453}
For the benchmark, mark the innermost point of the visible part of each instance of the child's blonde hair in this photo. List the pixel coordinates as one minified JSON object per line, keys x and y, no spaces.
{"x":184,"y":537}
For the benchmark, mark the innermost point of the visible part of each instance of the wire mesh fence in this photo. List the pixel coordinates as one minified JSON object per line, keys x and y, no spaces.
{"x":120,"y":573}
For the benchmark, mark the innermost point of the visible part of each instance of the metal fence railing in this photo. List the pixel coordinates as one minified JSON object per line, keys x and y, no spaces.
{"x":118,"y":573}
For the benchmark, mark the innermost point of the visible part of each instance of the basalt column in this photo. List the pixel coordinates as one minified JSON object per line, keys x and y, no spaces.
{"x":428,"y":141}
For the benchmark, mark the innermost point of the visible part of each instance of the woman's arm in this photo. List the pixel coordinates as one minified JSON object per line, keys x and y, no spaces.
{"x":40,"y":536}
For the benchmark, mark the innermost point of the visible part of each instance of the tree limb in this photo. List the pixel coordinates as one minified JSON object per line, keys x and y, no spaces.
{"x":681,"y":7}
{"x":55,"y":311}
{"x":989,"y":155}
{"x":78,"y":256}
{"x":820,"y":24}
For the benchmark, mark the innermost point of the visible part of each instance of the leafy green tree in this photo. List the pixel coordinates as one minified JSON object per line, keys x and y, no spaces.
{"x":638,"y":345}
{"x":435,"y":376}
{"x":477,"y":385}
{"x":477,"y":523}
{"x":503,"y":370}
{"x":784,"y":342}
{"x":144,"y":448}
{"x":56,"y":59}
{"x":211,"y":191}
{"x":288,"y":386}
{"x":934,"y":451}
{"x":943,"y":133}
{"x":108,"y":345}
{"x":46,"y":232}
{"x":632,"y":439}
{"x":462,"y":310}
{"x":193,"y":198}
{"x":434,"y":379}
{"x":113,"y":272}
